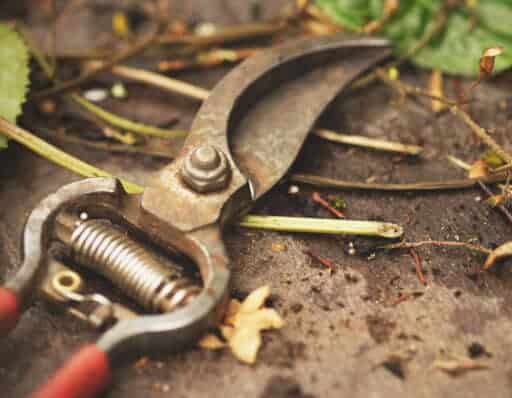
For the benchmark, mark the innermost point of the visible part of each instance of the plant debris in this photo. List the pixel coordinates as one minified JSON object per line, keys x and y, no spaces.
{"x":459,"y":366}
{"x":243,"y":325}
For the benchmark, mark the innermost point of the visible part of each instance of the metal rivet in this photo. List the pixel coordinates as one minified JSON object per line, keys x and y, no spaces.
{"x":206,"y":169}
{"x":205,"y":157}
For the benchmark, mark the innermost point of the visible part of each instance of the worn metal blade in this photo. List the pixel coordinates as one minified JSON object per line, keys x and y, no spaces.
{"x":269,"y":136}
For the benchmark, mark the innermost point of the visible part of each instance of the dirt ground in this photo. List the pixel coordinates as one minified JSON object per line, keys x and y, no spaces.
{"x":345,"y":336}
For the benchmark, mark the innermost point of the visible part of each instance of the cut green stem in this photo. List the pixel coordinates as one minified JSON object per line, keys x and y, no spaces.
{"x":323,"y":226}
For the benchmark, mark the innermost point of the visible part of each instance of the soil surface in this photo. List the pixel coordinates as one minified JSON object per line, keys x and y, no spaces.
{"x":346,"y":335}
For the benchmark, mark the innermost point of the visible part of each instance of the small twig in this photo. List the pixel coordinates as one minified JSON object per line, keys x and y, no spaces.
{"x":208,"y":59}
{"x":155,"y":79}
{"x":322,"y":260}
{"x":366,"y":142}
{"x":439,"y":243}
{"x":143,"y":44}
{"x":501,"y":208}
{"x":458,"y":162}
{"x":417,"y":265}
{"x":227,"y":35}
{"x":325,"y":204}
{"x":418,"y":186}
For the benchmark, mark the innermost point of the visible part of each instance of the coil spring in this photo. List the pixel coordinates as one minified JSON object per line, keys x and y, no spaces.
{"x":104,"y":248}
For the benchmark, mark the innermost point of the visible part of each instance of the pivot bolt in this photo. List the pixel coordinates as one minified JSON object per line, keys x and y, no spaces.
{"x":206,"y":169}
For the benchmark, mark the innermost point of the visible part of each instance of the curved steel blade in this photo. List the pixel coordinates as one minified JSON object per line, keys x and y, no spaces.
{"x":271,"y":133}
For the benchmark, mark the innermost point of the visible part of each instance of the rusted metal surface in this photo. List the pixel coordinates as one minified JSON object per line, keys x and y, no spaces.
{"x":340,"y":328}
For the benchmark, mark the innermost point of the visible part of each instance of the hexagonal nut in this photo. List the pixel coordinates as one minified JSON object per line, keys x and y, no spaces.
{"x":205,"y":180}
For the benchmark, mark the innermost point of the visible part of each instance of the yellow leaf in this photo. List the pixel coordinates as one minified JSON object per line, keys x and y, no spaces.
{"x":505,"y":250}
{"x":227,"y":331}
{"x":479,"y":169}
{"x":266,"y":318}
{"x":245,"y":344}
{"x":256,"y":299}
{"x":487,"y":61}
{"x":120,"y":24}
{"x":211,"y":342}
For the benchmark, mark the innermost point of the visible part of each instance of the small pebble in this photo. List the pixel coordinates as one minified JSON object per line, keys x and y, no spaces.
{"x":293,"y":190}
{"x":205,"y":29}
{"x":351,"y":249}
{"x":96,"y":95}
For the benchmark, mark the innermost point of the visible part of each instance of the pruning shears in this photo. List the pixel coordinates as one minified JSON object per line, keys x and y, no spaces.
{"x":243,"y":140}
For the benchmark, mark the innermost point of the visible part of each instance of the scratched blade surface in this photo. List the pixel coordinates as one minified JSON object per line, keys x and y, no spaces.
{"x":268,"y":137}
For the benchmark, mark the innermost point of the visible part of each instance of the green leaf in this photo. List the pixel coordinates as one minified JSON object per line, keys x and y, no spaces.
{"x":14,"y":75}
{"x":457,"y":49}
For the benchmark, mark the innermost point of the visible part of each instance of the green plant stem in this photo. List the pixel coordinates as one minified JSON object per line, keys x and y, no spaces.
{"x":323,"y":226}
{"x":56,"y":155}
{"x":123,"y":123}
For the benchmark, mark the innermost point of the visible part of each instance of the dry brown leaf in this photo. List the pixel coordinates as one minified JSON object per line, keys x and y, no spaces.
{"x":211,"y":342}
{"x":458,"y":366}
{"x":245,"y":344}
{"x":256,"y":299}
{"x":487,"y":61}
{"x":479,"y":169}
{"x":505,"y":250}
{"x":436,"y":89}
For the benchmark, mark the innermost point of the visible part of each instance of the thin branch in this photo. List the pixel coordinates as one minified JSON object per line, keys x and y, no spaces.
{"x":418,"y":186}
{"x":417,"y":266}
{"x":438,"y":243}
{"x":158,"y":80}
{"x":227,"y":35}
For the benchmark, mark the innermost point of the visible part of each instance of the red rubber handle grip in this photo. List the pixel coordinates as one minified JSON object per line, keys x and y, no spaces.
{"x":84,"y":375}
{"x":9,"y":311}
